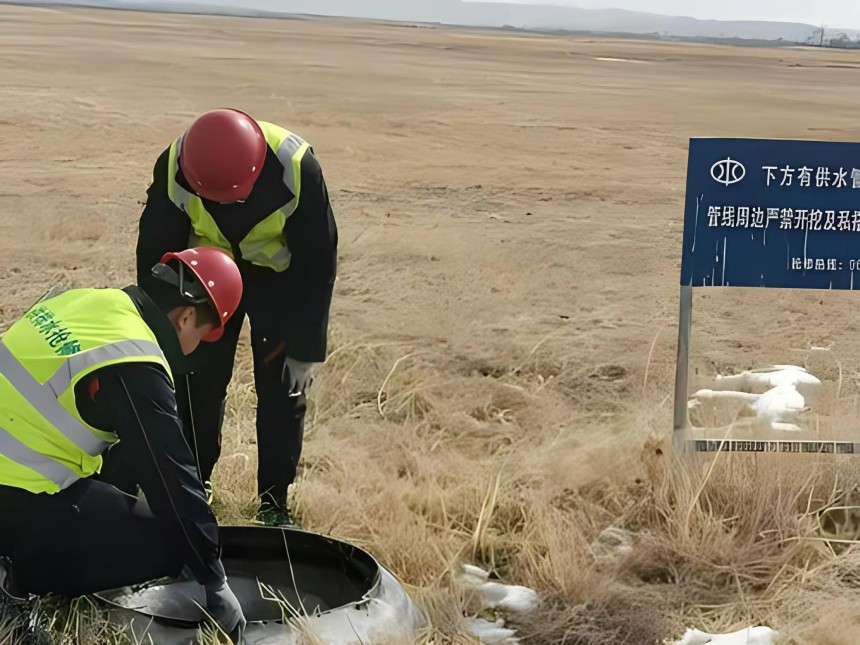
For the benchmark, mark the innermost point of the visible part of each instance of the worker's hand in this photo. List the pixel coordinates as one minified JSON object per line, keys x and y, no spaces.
{"x":297,"y":376}
{"x":224,"y":607}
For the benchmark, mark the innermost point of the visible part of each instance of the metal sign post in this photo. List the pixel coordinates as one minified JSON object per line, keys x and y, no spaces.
{"x":685,"y":326}
{"x":766,"y":213}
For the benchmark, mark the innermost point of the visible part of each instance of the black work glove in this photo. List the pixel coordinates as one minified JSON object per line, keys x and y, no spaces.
{"x":297,"y":376}
{"x":224,"y":607}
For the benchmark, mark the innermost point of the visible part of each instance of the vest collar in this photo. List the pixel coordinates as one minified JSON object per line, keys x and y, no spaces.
{"x":160,"y":325}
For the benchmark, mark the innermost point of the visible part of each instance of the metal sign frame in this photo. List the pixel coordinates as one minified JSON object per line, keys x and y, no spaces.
{"x":804,"y":187}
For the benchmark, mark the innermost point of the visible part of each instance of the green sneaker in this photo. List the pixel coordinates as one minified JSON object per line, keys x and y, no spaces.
{"x":276,"y":516}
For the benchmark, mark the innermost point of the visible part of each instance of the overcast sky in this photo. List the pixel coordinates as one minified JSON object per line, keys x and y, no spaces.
{"x":836,"y":13}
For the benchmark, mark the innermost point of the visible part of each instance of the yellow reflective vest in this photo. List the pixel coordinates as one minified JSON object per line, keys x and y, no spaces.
{"x":45,"y":445}
{"x":264,"y":245}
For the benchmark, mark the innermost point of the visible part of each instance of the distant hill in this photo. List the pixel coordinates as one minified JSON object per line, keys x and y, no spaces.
{"x":497,"y":15}
{"x":154,"y":6}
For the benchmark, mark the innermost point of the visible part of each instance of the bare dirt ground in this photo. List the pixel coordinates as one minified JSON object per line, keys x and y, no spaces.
{"x":510,"y":212}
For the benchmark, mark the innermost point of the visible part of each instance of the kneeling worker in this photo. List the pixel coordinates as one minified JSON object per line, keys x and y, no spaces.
{"x":81,"y":370}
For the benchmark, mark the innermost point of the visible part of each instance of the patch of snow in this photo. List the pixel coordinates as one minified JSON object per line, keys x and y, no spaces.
{"x":491,"y":633}
{"x":765,"y":378}
{"x":495,"y":595}
{"x":500,"y":598}
{"x":622,"y":60}
{"x":750,"y":636}
{"x":779,"y":405}
{"x":471,"y":571}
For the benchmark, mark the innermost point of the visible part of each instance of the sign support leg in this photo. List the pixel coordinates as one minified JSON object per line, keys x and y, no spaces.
{"x":685,"y":322}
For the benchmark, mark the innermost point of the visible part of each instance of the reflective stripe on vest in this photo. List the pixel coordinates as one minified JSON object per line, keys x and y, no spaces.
{"x":78,"y":363}
{"x":53,"y":471}
{"x":264,"y":245}
{"x":37,"y":409}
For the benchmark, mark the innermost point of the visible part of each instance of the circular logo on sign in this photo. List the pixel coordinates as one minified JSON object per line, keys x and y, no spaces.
{"x":728,"y":171}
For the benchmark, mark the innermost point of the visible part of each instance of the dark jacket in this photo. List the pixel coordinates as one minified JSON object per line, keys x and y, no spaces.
{"x":293,"y":305}
{"x":136,"y":401}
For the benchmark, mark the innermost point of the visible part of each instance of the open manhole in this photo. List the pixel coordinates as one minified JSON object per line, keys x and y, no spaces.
{"x":335,"y":590}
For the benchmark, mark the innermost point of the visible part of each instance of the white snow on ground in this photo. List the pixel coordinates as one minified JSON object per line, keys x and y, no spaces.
{"x":765,"y":378}
{"x":512,"y":598}
{"x":622,"y":60}
{"x":781,"y":405}
{"x":750,"y":636}
{"x":777,"y":393}
{"x":502,"y":599}
{"x":491,"y":633}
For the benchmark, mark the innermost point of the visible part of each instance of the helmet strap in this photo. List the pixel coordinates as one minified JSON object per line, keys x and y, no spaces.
{"x":190,"y":288}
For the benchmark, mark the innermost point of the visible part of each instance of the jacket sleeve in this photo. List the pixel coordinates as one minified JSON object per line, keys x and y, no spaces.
{"x":143,"y":407}
{"x":308,"y":283}
{"x":163,"y":226}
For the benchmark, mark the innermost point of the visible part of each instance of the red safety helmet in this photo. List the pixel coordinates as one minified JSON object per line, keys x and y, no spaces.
{"x":222,"y":154}
{"x":218,"y":281}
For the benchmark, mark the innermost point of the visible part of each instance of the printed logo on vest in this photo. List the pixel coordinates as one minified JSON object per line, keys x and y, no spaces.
{"x":58,"y":337}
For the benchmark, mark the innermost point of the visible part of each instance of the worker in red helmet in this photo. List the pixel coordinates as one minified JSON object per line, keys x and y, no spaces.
{"x":257,"y":191}
{"x":87,"y":374}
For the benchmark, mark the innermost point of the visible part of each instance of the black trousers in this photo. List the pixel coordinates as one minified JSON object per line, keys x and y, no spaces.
{"x":280,"y":418}
{"x":90,"y":537}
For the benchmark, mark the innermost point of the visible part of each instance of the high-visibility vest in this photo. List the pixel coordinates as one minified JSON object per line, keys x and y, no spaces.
{"x":45,"y":445}
{"x":265,"y":244}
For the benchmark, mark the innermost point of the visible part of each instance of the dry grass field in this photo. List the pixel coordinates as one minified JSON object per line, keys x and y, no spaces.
{"x":499,"y":387}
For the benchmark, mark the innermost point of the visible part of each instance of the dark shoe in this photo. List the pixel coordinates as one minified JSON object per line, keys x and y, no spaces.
{"x":270,"y":515}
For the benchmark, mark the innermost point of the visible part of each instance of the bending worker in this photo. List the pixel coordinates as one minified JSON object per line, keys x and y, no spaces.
{"x":256,"y":190}
{"x":82,"y":370}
